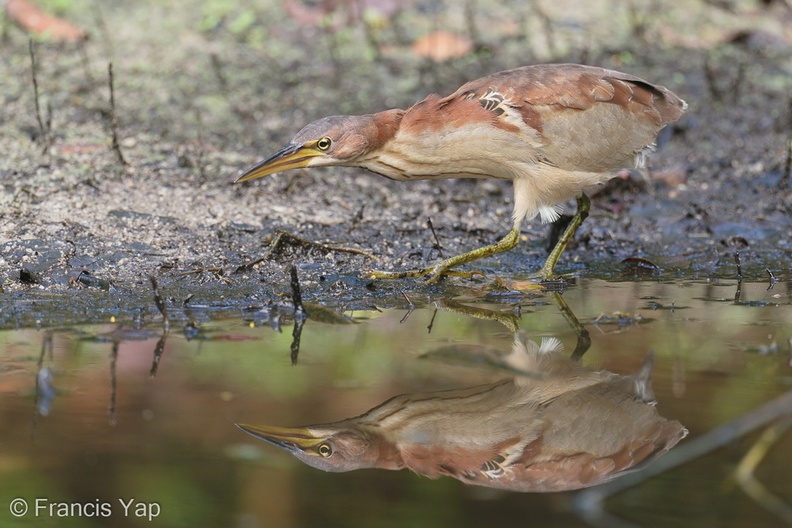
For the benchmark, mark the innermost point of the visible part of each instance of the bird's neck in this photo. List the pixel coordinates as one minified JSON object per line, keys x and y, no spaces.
{"x":382,"y":127}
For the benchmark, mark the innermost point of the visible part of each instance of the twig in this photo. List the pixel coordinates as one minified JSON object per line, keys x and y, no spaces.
{"x":160,"y":303}
{"x":739,"y":265}
{"x":160,"y":347}
{"x":300,"y":314}
{"x":43,"y":129}
{"x":786,"y":175}
{"x":431,"y":322}
{"x":45,"y":392}
{"x":113,"y":118}
{"x":355,"y":221}
{"x":296,"y":293}
{"x":773,"y":279}
{"x":410,"y":308}
{"x":283,"y":237}
{"x":158,"y":350}
{"x":437,"y":244}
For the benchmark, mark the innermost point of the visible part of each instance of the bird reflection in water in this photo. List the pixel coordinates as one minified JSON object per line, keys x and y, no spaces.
{"x":553,"y":425}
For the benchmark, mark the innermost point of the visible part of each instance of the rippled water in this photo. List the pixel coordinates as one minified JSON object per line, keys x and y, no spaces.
{"x":97,"y":416}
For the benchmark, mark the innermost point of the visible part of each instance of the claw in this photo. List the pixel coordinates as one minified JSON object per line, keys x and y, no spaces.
{"x":445,"y":267}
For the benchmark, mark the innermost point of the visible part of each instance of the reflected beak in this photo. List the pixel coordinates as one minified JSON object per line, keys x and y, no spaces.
{"x":292,"y":156}
{"x":289,"y":438}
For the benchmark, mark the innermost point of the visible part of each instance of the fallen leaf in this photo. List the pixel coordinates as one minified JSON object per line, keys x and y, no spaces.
{"x":442,"y":45}
{"x":29,"y":17}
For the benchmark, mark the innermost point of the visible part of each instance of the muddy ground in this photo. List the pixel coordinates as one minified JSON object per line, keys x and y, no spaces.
{"x":203,"y":90}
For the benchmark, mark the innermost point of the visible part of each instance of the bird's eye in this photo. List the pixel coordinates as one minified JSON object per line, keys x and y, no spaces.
{"x":325,"y":450}
{"x":324,"y":143}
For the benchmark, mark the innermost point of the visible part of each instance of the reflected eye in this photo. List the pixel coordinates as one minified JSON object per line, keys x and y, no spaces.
{"x":324,"y":143}
{"x":325,"y":450}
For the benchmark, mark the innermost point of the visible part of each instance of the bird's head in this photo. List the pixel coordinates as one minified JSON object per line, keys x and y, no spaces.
{"x":343,"y":446}
{"x":333,"y":140}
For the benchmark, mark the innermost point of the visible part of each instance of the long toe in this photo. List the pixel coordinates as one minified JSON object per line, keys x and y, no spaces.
{"x":393,"y":275}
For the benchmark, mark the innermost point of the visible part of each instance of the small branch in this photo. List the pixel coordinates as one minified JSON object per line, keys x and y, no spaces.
{"x":113,"y":119}
{"x":410,"y":308}
{"x":160,"y":303}
{"x":300,"y":314}
{"x":284,"y":237}
{"x":43,"y":129}
{"x":159,"y":348}
{"x":739,"y":265}
{"x":786,"y":175}
{"x":437,"y":244}
{"x":431,"y":322}
{"x":773,"y":279}
{"x":296,"y":293}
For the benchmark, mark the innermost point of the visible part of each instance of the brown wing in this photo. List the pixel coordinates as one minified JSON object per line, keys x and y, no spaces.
{"x":589,"y":119}
{"x":473,"y":465}
{"x":580,"y":87}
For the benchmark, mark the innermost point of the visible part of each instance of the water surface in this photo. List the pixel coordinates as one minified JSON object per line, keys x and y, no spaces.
{"x":100,"y":414}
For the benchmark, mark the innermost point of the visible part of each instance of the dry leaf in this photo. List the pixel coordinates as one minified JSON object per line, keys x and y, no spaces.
{"x":29,"y":17}
{"x":442,"y":45}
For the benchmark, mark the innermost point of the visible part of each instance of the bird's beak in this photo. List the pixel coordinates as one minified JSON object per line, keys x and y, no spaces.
{"x":288,"y":438}
{"x":292,"y":156}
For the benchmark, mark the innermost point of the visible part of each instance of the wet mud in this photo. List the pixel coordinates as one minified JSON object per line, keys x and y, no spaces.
{"x":81,"y":230}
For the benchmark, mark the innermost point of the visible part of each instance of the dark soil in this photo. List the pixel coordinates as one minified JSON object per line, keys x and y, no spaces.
{"x":202,"y":92}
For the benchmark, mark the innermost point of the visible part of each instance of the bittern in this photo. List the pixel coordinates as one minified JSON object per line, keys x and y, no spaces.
{"x":555,"y":130}
{"x":563,"y":427}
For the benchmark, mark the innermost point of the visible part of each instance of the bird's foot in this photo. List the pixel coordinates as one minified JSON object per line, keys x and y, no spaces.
{"x":446,"y":267}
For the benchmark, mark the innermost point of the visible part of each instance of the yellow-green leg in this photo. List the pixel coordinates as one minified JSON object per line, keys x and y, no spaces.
{"x":444,"y":266}
{"x":547,"y":271}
